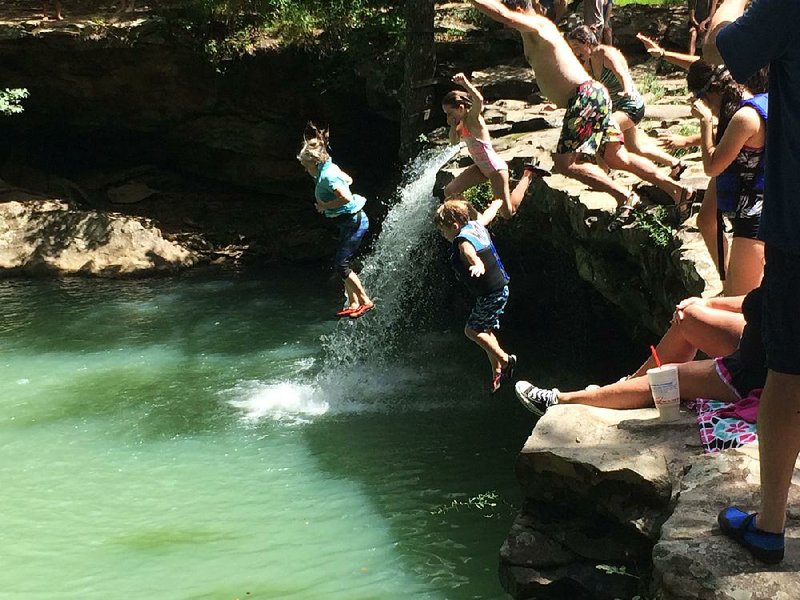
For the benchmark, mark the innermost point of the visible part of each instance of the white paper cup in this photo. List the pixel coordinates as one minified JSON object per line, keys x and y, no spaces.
{"x":666,"y":391}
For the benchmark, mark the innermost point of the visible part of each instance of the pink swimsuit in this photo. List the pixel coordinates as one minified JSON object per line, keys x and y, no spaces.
{"x":486,"y":159}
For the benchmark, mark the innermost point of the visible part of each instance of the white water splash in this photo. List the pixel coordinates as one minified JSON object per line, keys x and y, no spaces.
{"x":361,"y":371}
{"x":396,"y":274}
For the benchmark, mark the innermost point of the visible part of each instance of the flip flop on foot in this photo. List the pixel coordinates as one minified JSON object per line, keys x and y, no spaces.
{"x":361,"y":310}
{"x":497,"y":381}
{"x":677,"y":170}
{"x":625,"y":213}
{"x":534,"y":168}
{"x":347,"y":311}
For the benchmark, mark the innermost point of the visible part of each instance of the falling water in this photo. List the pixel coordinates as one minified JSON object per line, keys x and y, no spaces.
{"x":397,"y":273}
{"x":370,"y":364}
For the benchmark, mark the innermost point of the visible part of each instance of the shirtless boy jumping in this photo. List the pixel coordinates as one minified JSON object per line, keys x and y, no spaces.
{"x":588,"y":128}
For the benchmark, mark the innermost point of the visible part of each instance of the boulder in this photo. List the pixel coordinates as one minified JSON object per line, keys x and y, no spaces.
{"x":47,"y":236}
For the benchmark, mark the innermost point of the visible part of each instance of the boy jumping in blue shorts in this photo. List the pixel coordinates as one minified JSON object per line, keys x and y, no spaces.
{"x":475,"y":261}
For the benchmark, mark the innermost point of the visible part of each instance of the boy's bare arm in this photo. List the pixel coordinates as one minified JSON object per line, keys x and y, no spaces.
{"x":728,"y":12}
{"x":498,"y":11}
{"x":468,"y":254}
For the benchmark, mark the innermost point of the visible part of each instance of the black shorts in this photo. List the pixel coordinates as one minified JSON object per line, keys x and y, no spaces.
{"x":746,"y":369}
{"x":781,"y":310}
{"x":745,"y":227}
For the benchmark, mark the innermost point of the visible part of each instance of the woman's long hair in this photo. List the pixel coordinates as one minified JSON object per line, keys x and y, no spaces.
{"x":708,"y":78}
{"x":315,"y":146}
{"x":584,"y":34}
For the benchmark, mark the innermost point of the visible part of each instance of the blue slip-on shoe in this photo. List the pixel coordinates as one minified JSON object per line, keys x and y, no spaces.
{"x":740,"y":527}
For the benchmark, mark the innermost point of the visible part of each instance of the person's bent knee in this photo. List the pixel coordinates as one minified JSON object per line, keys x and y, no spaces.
{"x":692,"y":314}
{"x":563,"y":163}
{"x":615,"y":155}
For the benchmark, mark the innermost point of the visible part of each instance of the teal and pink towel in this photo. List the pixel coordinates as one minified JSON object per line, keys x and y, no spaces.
{"x":726,"y":425}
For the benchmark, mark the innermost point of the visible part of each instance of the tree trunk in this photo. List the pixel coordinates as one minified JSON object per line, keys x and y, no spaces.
{"x":418,"y":94}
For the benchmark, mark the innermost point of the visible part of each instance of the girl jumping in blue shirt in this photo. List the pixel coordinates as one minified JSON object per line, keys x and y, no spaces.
{"x":335,"y":201}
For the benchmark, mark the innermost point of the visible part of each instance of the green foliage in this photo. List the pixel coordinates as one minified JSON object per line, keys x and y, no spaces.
{"x":614,"y":570}
{"x":653,"y":223}
{"x":689,"y":128}
{"x":11,"y":100}
{"x":473,"y":16}
{"x":484,"y":502}
{"x":651,"y":2}
{"x":649,"y":84}
{"x":479,"y":195}
{"x":227,"y":29}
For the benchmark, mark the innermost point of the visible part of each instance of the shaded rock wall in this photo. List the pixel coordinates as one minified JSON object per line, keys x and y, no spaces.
{"x":150,"y":98}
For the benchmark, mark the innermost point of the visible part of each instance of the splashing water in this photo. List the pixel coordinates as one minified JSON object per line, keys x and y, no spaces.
{"x":396,"y":274}
{"x":364,"y":369}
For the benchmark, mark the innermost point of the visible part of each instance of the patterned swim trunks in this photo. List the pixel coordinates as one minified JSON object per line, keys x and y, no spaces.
{"x":485,"y":315}
{"x":587,"y":122}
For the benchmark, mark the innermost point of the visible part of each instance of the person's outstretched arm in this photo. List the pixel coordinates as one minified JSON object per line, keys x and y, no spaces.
{"x":499,"y":12}
{"x":477,"y":98}
{"x":729,"y":11}
{"x":684,"y":61}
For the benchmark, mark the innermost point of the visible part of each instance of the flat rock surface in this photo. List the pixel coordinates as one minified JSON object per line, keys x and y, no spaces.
{"x":693,"y":560}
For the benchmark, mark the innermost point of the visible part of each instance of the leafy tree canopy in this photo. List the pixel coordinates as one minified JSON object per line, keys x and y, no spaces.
{"x":11,"y":100}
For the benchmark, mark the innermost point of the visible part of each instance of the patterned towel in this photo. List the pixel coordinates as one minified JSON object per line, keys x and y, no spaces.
{"x":727,"y":425}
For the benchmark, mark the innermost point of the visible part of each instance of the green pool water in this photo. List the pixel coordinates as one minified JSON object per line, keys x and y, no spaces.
{"x":183,"y":438}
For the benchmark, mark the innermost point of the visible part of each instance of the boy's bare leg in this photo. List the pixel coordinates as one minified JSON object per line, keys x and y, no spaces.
{"x":618,"y":158}
{"x":697,"y":379}
{"x":488,"y":342}
{"x":589,"y":174}
{"x":778,"y":446}
{"x":469,"y":177}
